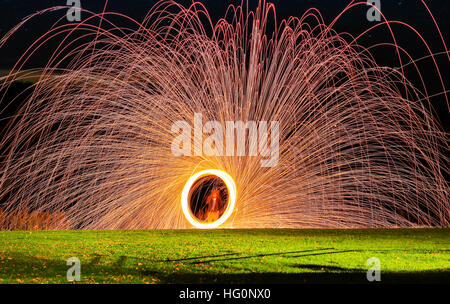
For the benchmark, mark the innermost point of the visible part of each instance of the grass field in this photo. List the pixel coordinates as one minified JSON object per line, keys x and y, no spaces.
{"x":226,"y":256}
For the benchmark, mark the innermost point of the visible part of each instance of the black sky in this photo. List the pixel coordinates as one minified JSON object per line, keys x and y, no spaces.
{"x":410,"y":11}
{"x":354,"y":22}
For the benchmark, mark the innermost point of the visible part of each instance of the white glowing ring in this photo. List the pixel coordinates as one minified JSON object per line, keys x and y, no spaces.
{"x":231,"y":198}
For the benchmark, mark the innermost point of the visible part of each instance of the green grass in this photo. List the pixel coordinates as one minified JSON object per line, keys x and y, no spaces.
{"x":226,"y":256}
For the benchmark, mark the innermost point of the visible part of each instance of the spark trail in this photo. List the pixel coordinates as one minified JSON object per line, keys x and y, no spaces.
{"x":359,"y":146}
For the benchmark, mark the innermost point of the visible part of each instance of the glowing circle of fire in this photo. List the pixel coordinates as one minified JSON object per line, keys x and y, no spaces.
{"x":228,"y":207}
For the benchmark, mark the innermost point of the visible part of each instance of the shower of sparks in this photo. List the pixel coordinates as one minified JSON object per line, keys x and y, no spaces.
{"x":359,"y":146}
{"x":231,"y":188}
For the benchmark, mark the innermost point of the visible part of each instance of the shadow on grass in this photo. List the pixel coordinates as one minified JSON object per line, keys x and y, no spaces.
{"x":349,"y":277}
{"x":19,"y":266}
{"x":241,"y":257}
{"x":326,"y":268}
{"x":287,"y":254}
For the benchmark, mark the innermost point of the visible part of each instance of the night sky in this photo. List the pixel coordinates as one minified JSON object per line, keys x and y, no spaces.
{"x":410,"y":11}
{"x":354,"y":22}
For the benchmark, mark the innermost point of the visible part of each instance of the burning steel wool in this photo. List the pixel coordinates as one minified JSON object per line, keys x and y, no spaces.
{"x":358,"y":143}
{"x":208,"y":198}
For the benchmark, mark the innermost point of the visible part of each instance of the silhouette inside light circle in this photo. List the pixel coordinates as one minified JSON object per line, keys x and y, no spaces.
{"x":208,"y":199}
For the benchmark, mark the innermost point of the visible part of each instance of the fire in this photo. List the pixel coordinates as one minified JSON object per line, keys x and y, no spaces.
{"x":213,"y":217}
